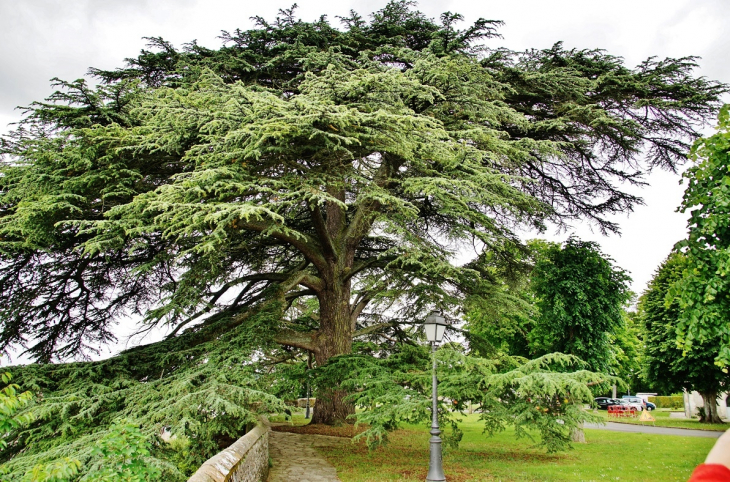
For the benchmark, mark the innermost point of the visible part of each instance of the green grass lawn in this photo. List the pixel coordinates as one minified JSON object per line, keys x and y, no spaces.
{"x":663,"y":420}
{"x":606,"y":456}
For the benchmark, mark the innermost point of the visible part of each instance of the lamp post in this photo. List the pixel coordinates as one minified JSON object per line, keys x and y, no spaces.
{"x":306,"y":415}
{"x":435,"y":326}
{"x":309,"y":367}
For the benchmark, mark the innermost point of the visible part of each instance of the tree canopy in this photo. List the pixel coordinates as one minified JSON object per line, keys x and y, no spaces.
{"x":704,"y":290}
{"x":581,"y":296}
{"x":191,"y":176}
{"x":668,"y":367}
{"x":303,"y":190}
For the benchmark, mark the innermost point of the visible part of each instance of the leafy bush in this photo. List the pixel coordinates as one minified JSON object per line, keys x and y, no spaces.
{"x":123,"y":455}
{"x":673,"y":402}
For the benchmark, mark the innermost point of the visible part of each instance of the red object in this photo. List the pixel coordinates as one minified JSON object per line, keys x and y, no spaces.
{"x":621,"y":411}
{"x":710,"y":473}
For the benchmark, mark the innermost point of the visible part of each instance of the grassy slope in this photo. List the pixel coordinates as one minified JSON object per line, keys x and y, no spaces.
{"x":606,"y":456}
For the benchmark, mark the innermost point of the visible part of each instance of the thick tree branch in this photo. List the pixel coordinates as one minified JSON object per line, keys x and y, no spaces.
{"x":306,"y":279}
{"x":364,"y":216}
{"x":321,"y":228}
{"x":369,"y":330}
{"x":309,"y":247}
{"x":362,"y":265}
{"x":357,"y":309}
{"x":296,"y":339}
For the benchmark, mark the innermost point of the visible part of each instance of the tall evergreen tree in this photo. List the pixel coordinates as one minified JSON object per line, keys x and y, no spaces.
{"x":199,"y":187}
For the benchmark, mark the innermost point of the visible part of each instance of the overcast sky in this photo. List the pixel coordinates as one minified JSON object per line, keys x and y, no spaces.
{"x":41,"y":39}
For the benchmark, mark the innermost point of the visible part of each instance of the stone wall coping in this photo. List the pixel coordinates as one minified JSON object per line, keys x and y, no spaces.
{"x":220,"y":467}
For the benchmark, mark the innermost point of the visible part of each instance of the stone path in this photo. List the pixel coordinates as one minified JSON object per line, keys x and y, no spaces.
{"x":294,"y":458}
{"x":625,"y":427}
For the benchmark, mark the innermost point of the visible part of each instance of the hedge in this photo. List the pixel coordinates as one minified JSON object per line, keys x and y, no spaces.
{"x":674,"y":402}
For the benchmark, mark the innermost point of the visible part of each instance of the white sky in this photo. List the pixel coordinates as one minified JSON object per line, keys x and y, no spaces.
{"x":42,"y":39}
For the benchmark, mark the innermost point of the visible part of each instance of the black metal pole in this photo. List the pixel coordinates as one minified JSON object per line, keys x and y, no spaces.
{"x":435,"y":470}
{"x":309,"y":367}
{"x":306,"y":414}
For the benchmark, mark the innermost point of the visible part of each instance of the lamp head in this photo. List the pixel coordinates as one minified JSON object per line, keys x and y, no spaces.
{"x":435,"y":327}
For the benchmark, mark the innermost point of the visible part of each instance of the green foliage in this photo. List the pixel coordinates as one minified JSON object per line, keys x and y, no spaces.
{"x":580,"y":295}
{"x":505,"y":317}
{"x":12,"y":402}
{"x":673,"y":402}
{"x":139,"y":194}
{"x":546,"y":394}
{"x":704,"y":289}
{"x":501,"y":313}
{"x":57,"y":471}
{"x":123,"y":456}
{"x":627,"y":345}
{"x":668,"y":367}
{"x":507,"y":314}
{"x":297,"y":189}
{"x":205,"y":393}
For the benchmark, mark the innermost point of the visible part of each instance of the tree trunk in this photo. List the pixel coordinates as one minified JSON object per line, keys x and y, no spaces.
{"x":710,"y":401}
{"x":578,"y":435}
{"x":334,"y":338}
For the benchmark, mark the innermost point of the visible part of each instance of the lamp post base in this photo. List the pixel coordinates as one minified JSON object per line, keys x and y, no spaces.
{"x":435,"y":469}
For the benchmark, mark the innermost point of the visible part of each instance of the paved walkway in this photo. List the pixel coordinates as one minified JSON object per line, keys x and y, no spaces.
{"x":294,"y":458}
{"x":625,"y":427}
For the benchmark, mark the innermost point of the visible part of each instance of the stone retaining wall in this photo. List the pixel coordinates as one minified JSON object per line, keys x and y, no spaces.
{"x":247,"y":460}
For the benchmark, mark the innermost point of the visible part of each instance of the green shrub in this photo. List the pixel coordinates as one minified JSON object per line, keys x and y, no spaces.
{"x":674,"y":402}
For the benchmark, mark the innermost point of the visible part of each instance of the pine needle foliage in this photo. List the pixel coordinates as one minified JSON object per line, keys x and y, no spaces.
{"x":545,"y":395}
{"x":298,"y":193}
{"x":204,"y":393}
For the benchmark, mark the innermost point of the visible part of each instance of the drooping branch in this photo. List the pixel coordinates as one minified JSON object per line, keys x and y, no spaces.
{"x":357,"y":309}
{"x":305,"y":279}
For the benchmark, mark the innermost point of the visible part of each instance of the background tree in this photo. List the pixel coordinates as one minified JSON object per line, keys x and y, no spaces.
{"x":507,"y":320}
{"x":668,"y":367}
{"x":704,"y":290}
{"x":628,"y":357}
{"x":580,"y":296}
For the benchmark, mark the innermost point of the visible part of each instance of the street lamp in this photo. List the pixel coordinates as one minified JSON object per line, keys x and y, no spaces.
{"x":435,"y":326}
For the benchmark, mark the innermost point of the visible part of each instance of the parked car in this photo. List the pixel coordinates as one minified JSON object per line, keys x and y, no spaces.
{"x":604,"y":402}
{"x":636,"y":402}
{"x":650,"y":406}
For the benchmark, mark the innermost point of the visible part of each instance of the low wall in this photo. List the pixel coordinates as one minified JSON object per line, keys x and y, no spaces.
{"x":247,"y":460}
